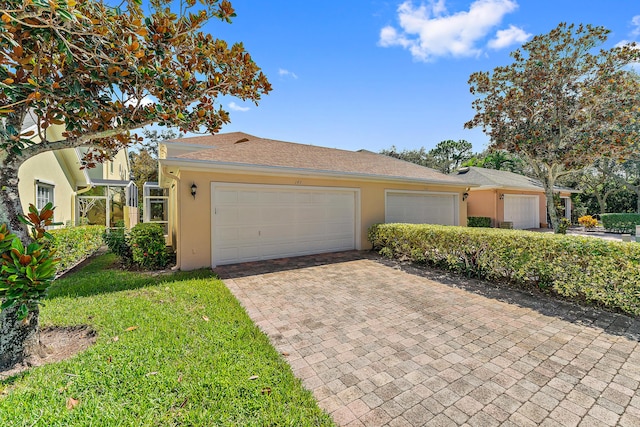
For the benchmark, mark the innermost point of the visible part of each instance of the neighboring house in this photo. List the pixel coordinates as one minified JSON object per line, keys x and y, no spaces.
{"x":101,"y":195}
{"x":508,"y":197}
{"x":236,"y":197}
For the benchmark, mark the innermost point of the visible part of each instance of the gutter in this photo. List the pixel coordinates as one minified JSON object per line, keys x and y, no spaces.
{"x":502,"y":187}
{"x":208,"y":165}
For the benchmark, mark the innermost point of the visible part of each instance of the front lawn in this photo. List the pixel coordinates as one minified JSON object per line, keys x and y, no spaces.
{"x":171,"y":350}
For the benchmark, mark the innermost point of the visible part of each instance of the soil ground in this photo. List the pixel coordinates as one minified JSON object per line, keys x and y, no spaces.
{"x":59,"y":343}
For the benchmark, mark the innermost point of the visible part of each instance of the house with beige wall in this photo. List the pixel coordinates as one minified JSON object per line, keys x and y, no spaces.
{"x":101,"y":195}
{"x":236,"y":197}
{"x":509,"y":197}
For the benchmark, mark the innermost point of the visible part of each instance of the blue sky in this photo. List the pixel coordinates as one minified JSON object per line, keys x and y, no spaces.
{"x":370,"y":74}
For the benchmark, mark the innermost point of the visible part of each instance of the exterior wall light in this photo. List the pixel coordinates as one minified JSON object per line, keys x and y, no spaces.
{"x":194,"y":187}
{"x":464,"y":196}
{"x":502,"y":196}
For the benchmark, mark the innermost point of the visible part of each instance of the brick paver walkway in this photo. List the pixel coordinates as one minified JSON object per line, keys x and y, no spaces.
{"x":380,"y":346}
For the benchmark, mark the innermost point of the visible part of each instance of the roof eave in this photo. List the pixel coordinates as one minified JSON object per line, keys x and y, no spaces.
{"x":207,"y":165}
{"x":515,"y":188}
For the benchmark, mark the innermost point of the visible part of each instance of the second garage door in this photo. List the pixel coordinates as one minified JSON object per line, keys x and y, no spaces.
{"x":522,"y":211}
{"x":422,"y":208}
{"x":253,"y":222}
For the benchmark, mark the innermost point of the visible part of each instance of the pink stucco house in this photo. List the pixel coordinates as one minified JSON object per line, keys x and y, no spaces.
{"x":508,"y":197}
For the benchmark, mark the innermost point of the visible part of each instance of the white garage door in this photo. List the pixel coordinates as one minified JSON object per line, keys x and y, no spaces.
{"x":422,"y":208}
{"x":252,"y":222}
{"x":522,"y":211}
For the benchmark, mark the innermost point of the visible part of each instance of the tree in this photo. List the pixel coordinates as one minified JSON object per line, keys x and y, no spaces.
{"x":630,"y":177}
{"x":446,"y":157}
{"x":498,"y":160}
{"x":600,"y":180}
{"x":417,"y":156}
{"x":144,"y":162}
{"x":102,"y":72}
{"x":449,"y":154}
{"x":558,"y":105}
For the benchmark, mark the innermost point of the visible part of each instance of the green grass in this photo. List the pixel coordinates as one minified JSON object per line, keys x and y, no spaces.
{"x":175,"y":368}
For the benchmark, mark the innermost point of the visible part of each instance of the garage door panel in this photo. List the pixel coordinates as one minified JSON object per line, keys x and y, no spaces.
{"x":523,"y":211}
{"x":307,"y":214}
{"x":275,"y":214}
{"x":422,"y":208}
{"x":227,"y":197}
{"x":262,"y":223}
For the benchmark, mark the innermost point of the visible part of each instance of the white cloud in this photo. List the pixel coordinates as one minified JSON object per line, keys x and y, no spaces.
{"x":429,"y":31}
{"x":132,"y":102}
{"x":634,"y":65}
{"x":235,"y":107}
{"x":505,"y":38}
{"x":635,"y":22}
{"x":286,"y":73}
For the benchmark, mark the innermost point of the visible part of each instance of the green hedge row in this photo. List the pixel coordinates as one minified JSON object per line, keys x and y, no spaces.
{"x":620,"y":222}
{"x":479,"y":221}
{"x":587,"y":269}
{"x":74,"y":244}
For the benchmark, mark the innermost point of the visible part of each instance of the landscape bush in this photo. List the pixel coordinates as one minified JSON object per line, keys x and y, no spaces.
{"x":117,"y":242}
{"x":588,"y":222}
{"x":148,"y":248}
{"x":479,"y":221}
{"x":583,"y":269}
{"x":74,"y":244}
{"x":620,"y":222}
{"x":563,"y":225}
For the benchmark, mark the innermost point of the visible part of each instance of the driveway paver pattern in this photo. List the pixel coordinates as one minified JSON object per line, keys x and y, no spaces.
{"x":379,"y":346}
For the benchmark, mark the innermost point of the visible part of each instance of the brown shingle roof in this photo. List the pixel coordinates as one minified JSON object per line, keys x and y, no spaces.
{"x":492,"y":178}
{"x":241,"y":149}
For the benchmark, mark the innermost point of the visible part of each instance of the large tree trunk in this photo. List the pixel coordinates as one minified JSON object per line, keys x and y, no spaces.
{"x":10,"y":206}
{"x":18,"y":339}
{"x":551,"y":207}
{"x":601,"y":201}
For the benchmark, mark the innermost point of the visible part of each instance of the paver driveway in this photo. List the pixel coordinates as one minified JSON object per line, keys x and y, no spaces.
{"x":380,"y":346}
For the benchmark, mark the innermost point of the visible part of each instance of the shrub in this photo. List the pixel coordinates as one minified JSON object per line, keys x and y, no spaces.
{"x":602,"y":272}
{"x":26,"y":272}
{"x":587,"y":221}
{"x":478,"y":221}
{"x":620,"y":222}
{"x":563,"y":225}
{"x":148,"y":247}
{"x":74,"y":244}
{"x":116,"y":240}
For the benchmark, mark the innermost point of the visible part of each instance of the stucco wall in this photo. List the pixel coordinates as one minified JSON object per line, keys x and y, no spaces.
{"x":45,"y":167}
{"x":193,"y":215}
{"x":483,"y":203}
{"x":488,"y":203}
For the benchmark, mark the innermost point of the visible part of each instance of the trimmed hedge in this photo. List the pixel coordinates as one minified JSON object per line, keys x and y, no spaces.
{"x":74,"y":244}
{"x":620,"y":222}
{"x":479,"y":221}
{"x":588,"y":269}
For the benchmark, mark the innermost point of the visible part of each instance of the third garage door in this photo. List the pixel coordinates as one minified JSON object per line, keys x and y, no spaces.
{"x":522,"y":211}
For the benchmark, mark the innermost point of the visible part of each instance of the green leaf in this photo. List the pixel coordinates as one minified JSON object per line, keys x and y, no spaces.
{"x":7,"y":304}
{"x":23,"y":311}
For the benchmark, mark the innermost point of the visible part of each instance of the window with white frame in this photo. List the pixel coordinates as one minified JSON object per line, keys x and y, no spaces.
{"x":44,"y":194}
